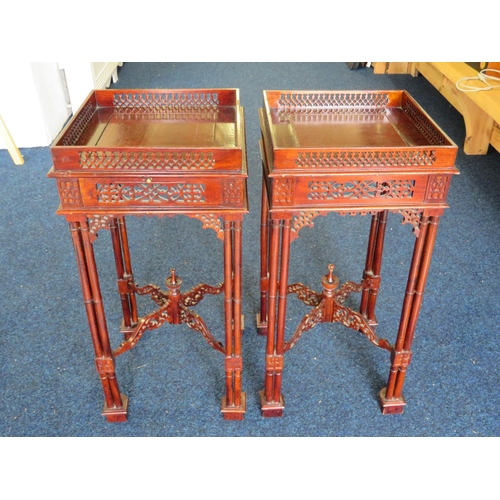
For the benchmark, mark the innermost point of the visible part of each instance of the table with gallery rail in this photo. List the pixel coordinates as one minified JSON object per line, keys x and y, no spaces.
{"x":353,"y":153}
{"x":159,"y":152}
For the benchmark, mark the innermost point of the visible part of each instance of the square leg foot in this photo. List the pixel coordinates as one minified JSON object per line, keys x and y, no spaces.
{"x":391,"y":406}
{"x":261,"y":326}
{"x":271,"y":409}
{"x":234,"y":412}
{"x":117,"y":414}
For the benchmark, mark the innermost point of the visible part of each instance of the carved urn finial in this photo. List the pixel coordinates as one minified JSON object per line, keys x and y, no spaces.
{"x":330,"y":281}
{"x":173,"y":281}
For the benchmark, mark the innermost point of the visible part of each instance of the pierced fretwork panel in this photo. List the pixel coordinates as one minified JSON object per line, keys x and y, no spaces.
{"x":330,"y":190}
{"x":365,"y":159}
{"x":114,"y":193}
{"x":146,"y":160}
{"x":79,"y":125}
{"x":342,"y":99}
{"x":171,"y":101}
{"x":325,"y":103}
{"x":422,"y":123}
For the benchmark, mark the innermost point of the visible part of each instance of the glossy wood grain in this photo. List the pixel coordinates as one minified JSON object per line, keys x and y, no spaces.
{"x":353,"y":153}
{"x":156,"y":152}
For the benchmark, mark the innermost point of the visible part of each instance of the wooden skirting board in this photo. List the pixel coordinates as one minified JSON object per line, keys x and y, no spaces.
{"x":480,"y":110}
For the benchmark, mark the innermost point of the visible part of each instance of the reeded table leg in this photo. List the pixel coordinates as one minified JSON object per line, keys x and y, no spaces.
{"x":272,"y":402}
{"x":115,"y":407}
{"x":264,"y":262}
{"x":124,"y":274}
{"x":391,"y":397}
{"x":373,"y":266}
{"x":234,"y":402}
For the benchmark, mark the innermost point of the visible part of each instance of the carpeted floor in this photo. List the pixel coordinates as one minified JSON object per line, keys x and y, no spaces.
{"x":48,"y":382}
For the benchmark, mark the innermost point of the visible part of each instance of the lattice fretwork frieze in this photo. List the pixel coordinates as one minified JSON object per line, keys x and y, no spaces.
{"x":422,"y":123}
{"x":69,"y":192}
{"x":232,"y":192}
{"x":365,"y":159}
{"x":146,"y":160}
{"x":438,"y":188}
{"x":79,"y":125}
{"x":329,"y":190}
{"x":144,"y":114}
{"x":150,"y":193}
{"x":171,"y":101}
{"x":284,"y":190}
{"x":345,"y":102}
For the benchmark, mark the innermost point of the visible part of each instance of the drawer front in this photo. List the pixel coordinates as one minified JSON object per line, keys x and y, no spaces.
{"x":363,"y":191}
{"x":151,"y":194}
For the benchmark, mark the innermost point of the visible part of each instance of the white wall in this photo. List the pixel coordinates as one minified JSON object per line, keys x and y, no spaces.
{"x":36,"y":99}
{"x":33,"y":102}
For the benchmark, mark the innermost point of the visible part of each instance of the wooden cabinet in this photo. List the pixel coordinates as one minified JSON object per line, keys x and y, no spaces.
{"x":82,"y":77}
{"x":480,"y":110}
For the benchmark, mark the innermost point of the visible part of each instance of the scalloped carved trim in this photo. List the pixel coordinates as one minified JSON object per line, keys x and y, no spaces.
{"x":210,"y":221}
{"x":97,"y":222}
{"x":411,"y":216}
{"x":359,"y":212}
{"x":303,"y":219}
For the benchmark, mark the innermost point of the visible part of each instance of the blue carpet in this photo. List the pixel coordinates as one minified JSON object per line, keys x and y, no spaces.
{"x":48,"y":382}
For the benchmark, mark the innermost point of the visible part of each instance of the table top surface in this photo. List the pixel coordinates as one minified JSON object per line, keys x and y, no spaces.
{"x":162,"y":131}
{"x":349,"y":119}
{"x":110,"y":128}
{"x":330,"y":131}
{"x":391,"y":128}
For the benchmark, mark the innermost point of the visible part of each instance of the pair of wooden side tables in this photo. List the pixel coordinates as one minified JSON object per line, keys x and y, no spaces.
{"x":168,"y":152}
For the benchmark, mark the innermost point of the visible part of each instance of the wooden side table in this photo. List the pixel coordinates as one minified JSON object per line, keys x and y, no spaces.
{"x":155,"y":153}
{"x":369,"y":152}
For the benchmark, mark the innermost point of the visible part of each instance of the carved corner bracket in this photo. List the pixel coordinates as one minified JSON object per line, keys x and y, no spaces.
{"x":303,"y":219}
{"x":210,"y":221}
{"x":412,"y":216}
{"x":97,"y":222}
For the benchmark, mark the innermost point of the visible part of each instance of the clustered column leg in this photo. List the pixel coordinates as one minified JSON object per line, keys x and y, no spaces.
{"x":264,"y":263}
{"x":115,"y":407}
{"x":128,"y":267}
{"x":391,"y":397}
{"x":234,"y":402}
{"x":272,"y":402}
{"x":373,"y":266}
{"x":124,"y":274}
